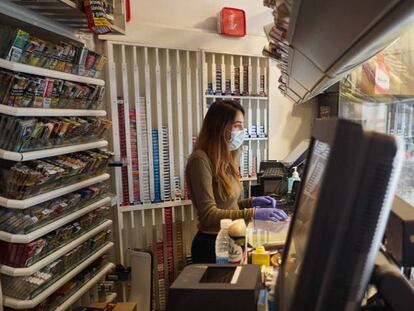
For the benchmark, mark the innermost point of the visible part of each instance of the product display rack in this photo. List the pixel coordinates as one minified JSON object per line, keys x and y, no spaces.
{"x":52,"y":257}
{"x":13,"y":14}
{"x":86,"y":287}
{"x":39,"y":71}
{"x":68,"y":13}
{"x":48,"y":26}
{"x":156,"y":111}
{"x":38,"y":154}
{"x":26,"y":238}
{"x":141,"y":207}
{"x":243,"y":79}
{"x":25,"y":304}
{"x":23,"y":204}
{"x":43,"y":112}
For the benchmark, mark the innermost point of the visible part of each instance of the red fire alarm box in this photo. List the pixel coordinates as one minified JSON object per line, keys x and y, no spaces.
{"x":232,"y":22}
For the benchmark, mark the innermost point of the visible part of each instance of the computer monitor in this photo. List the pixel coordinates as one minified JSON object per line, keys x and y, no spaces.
{"x":341,"y":213}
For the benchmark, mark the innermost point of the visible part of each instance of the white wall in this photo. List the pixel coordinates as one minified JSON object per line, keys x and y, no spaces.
{"x":186,"y":24}
{"x":191,"y":24}
{"x":288,"y":124}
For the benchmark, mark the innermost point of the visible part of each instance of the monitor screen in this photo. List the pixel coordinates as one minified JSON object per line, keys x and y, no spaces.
{"x":304,"y":214}
{"x":340,"y":216}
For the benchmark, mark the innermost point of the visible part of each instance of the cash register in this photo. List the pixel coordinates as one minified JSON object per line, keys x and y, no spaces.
{"x":272,"y":178}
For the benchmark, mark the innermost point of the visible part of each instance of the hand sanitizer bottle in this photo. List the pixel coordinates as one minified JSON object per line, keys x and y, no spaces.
{"x":291,"y":180}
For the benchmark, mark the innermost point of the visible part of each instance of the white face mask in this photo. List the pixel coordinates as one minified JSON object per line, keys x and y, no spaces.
{"x":236,"y":140}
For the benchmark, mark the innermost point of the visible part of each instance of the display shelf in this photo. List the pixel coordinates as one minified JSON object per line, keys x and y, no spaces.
{"x":117,"y":30}
{"x":23,"y":204}
{"x":256,"y":139}
{"x":39,"y":25}
{"x":27,"y":238}
{"x":52,"y":257}
{"x":39,"y":71}
{"x":140,"y":207}
{"x":85,"y":288}
{"x":64,"y":12}
{"x":52,"y":112}
{"x":237,"y":97}
{"x":32,"y":155}
{"x":28,"y":304}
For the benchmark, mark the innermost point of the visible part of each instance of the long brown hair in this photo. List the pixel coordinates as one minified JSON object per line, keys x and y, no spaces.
{"x":212,"y":140}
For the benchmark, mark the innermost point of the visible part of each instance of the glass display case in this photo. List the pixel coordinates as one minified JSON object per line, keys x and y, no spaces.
{"x":380,"y":95}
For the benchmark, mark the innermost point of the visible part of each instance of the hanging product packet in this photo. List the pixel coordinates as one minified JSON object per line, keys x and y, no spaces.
{"x":237,"y":242}
{"x":98,"y":22}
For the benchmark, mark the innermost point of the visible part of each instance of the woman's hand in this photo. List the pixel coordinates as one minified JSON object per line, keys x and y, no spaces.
{"x":264,"y":201}
{"x":272,"y":214}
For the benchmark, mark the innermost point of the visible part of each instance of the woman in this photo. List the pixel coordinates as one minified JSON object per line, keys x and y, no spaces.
{"x":213,"y":179}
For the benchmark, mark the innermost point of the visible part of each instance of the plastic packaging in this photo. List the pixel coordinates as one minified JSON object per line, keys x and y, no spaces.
{"x":21,"y":47}
{"x":27,"y":220}
{"x":261,"y":257}
{"x":28,"y":287}
{"x":22,"y":134}
{"x":237,"y":242}
{"x":19,"y":255}
{"x":293,"y":178}
{"x":222,"y":242}
{"x":25,"y":179}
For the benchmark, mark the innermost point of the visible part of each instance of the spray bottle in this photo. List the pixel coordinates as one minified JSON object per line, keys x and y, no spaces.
{"x":293,"y":178}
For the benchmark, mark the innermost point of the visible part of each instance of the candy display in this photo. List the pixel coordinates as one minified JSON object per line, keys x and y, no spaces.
{"x":27,"y":220}
{"x":26,"y":179}
{"x":20,"y":47}
{"x":21,"y":134}
{"x":28,"y":287}
{"x":29,"y":91}
{"x":24,"y":255}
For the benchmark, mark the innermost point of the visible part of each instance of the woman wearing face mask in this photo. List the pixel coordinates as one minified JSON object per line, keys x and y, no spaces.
{"x":213,"y":180}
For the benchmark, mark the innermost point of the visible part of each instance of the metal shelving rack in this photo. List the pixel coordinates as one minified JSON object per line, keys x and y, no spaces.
{"x":42,"y":23}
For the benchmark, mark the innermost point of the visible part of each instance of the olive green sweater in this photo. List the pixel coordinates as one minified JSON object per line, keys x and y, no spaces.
{"x":202,"y":187}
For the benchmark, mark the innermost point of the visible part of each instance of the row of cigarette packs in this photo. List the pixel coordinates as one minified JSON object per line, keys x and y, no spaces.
{"x":30,"y":91}
{"x":25,"y":179}
{"x":236,"y":86}
{"x":19,"y":46}
{"x":24,"y":255}
{"x":70,"y":287}
{"x":21,"y":134}
{"x":25,"y":221}
{"x":163,"y":188}
{"x":248,"y":163}
{"x":28,"y":287}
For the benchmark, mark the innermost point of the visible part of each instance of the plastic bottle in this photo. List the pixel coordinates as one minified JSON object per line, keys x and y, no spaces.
{"x":293,"y":178}
{"x":237,"y":240}
{"x":222,"y":242}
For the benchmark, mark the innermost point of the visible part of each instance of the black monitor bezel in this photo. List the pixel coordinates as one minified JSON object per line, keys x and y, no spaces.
{"x":341,"y":136}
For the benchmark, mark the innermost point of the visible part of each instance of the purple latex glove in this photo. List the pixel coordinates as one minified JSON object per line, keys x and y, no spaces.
{"x":272,"y":214}
{"x":264,"y":201}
